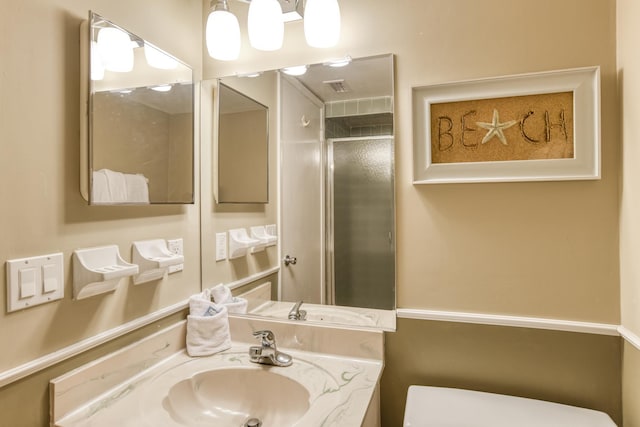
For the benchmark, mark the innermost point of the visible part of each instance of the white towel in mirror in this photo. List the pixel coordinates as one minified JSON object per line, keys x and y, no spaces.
{"x":137,"y":188}
{"x":116,"y":187}
{"x":100,"y":188}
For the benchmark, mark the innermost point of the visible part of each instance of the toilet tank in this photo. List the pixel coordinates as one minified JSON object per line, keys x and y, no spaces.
{"x":449,"y":407}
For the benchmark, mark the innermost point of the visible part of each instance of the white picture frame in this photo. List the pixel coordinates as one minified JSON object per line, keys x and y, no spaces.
{"x":585,"y":164}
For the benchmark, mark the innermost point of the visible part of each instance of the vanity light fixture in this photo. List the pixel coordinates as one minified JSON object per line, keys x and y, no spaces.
{"x":222,"y":32}
{"x":249,"y":75}
{"x":161,"y":88}
{"x":265,"y":25}
{"x":97,"y":66}
{"x":115,"y":50}
{"x":297,"y":70}
{"x":337,"y":63}
{"x":322,"y":23}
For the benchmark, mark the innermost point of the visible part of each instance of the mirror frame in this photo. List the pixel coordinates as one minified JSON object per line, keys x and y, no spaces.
{"x":87,"y":108}
{"x":218,"y":194}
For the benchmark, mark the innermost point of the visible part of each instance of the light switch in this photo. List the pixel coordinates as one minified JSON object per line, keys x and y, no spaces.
{"x":35,"y":280}
{"x":221,"y":246}
{"x":27,"y":280}
{"x":49,"y":278}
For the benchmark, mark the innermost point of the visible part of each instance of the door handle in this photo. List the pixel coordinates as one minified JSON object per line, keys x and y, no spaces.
{"x":290,"y":260}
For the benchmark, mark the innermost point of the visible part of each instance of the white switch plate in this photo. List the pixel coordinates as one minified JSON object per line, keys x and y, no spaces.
{"x":33,"y":281}
{"x":221,"y":246}
{"x":175,"y":246}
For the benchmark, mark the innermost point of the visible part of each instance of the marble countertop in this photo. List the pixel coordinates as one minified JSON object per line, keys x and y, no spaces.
{"x":130,"y":388}
{"x":350,"y":316}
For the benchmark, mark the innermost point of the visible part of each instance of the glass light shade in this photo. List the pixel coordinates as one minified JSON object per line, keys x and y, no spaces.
{"x":162,"y":88}
{"x":265,"y":25}
{"x":223,"y":35}
{"x":97,"y":67}
{"x":158,"y":59}
{"x":322,"y":23}
{"x":116,"y":50}
{"x":297,"y":70}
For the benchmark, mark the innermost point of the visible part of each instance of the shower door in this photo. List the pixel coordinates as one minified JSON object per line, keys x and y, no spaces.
{"x":361,"y":222}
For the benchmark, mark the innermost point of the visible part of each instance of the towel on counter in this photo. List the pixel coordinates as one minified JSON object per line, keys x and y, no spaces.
{"x":207,"y":327}
{"x":221,"y":294}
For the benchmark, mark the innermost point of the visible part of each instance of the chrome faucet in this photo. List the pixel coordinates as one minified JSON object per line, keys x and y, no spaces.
{"x":296,"y":313}
{"x":267,"y":353}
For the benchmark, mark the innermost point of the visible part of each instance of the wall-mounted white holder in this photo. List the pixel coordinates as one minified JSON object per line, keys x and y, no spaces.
{"x":260,"y":233}
{"x":98,"y":270}
{"x":240,"y":242}
{"x":154,"y":260}
{"x":272,"y":234}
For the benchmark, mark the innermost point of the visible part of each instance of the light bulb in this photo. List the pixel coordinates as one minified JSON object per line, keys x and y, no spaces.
{"x":265,"y":25}
{"x":97,"y":67}
{"x":297,"y":70}
{"x":158,"y":59}
{"x":322,"y":23}
{"x":223,"y":33}
{"x":115,"y":49}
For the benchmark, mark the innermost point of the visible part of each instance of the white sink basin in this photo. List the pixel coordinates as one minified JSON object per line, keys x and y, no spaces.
{"x":229,"y":390}
{"x":231,"y":397}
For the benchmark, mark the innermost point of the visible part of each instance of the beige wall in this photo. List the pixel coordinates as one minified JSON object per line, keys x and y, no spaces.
{"x":629,"y":92}
{"x":42,"y":210}
{"x":217,"y":218}
{"x":545,"y":249}
{"x":571,"y":368}
{"x":631,"y":386}
{"x":533,"y":249}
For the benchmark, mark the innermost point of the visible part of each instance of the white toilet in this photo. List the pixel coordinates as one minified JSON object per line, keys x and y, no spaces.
{"x":451,"y":407}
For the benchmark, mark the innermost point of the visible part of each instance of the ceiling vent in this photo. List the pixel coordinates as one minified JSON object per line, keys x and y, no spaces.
{"x":338,"y":86}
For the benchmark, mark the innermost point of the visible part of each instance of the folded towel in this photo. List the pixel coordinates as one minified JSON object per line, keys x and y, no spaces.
{"x":221,"y":294}
{"x":207,"y":335}
{"x":100,"y":188}
{"x":137,"y":188}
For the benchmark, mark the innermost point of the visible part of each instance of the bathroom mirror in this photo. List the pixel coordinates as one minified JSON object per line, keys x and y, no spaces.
{"x":137,"y":142}
{"x":242,"y":148}
{"x":336,"y":174}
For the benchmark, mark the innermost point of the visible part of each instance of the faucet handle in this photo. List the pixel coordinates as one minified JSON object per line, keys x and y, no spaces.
{"x":267,"y":337}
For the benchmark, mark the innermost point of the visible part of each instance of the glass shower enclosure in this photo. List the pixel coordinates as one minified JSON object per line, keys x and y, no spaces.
{"x":361,"y":233}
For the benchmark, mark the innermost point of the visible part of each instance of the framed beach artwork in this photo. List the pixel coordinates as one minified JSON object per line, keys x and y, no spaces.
{"x":528,"y":127}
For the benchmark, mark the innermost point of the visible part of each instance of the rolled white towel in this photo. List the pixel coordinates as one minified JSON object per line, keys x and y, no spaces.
{"x":221,"y":294}
{"x":207,"y":335}
{"x":237,"y":305}
{"x":199,"y":304}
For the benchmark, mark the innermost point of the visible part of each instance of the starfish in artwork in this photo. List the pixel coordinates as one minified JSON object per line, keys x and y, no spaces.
{"x":496,"y":128}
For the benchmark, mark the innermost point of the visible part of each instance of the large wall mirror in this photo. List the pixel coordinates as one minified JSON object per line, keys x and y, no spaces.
{"x":137,"y":125}
{"x":336,"y":173}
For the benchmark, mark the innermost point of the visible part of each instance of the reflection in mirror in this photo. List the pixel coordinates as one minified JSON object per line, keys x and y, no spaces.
{"x":243,"y":148}
{"x":138,"y":147}
{"x":337,"y":194}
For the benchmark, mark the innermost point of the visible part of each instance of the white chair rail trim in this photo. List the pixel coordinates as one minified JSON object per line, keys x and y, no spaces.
{"x":512,"y":321}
